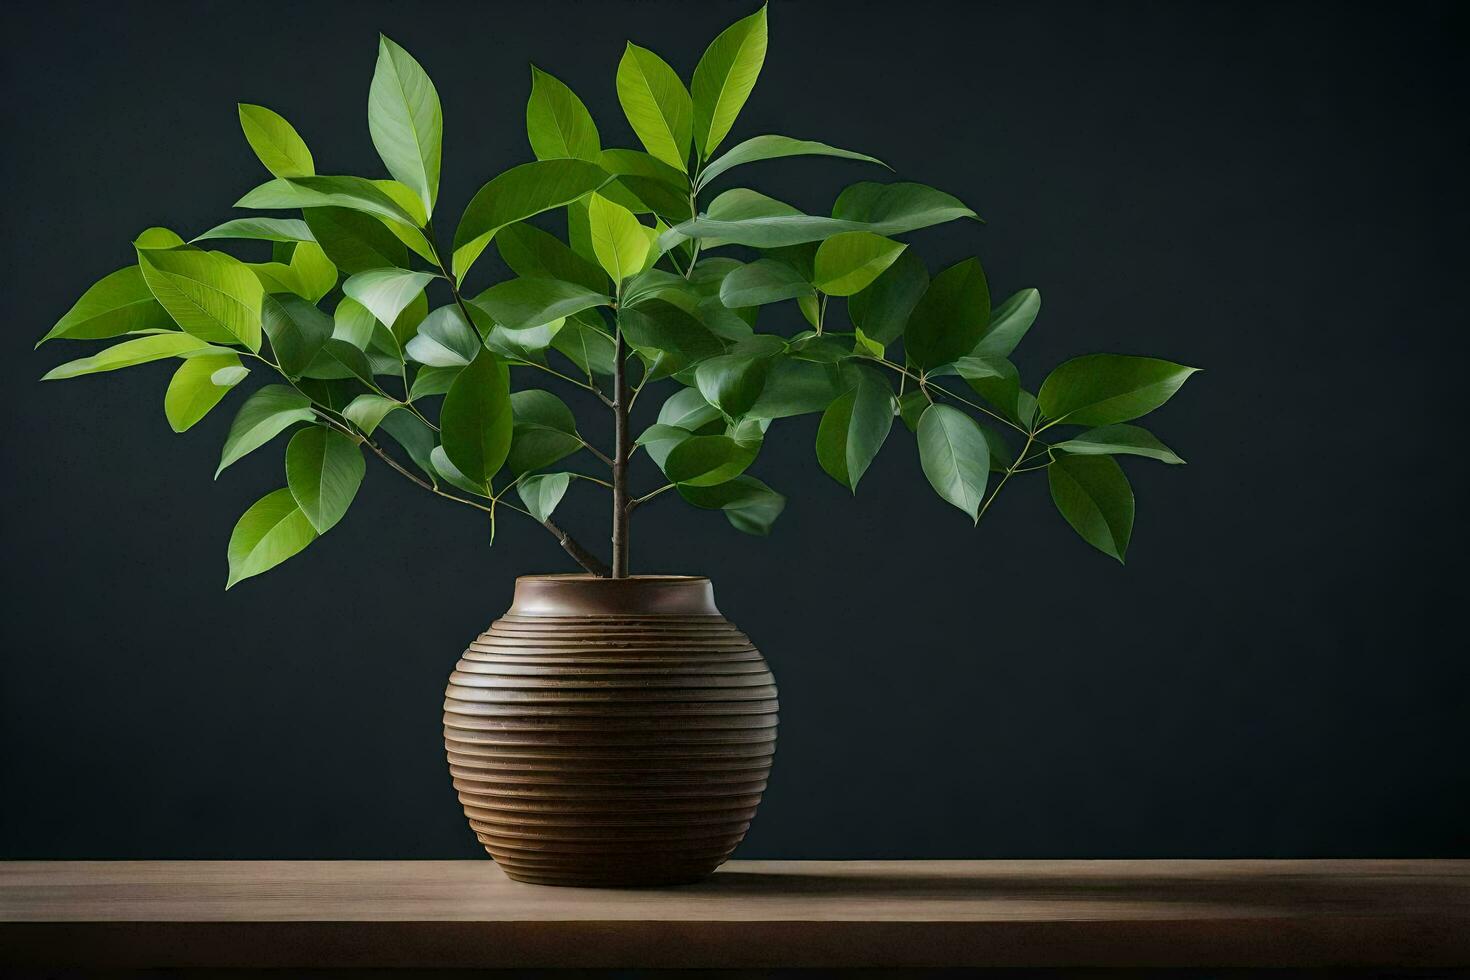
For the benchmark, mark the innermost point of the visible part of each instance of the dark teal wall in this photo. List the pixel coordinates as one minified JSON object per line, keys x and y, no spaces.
{"x":1273,"y":191}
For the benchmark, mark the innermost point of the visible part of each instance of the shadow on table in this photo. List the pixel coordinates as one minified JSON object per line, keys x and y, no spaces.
{"x":1324,"y":894}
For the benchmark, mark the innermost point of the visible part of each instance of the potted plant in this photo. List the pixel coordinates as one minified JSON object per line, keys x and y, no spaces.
{"x":610,"y":728}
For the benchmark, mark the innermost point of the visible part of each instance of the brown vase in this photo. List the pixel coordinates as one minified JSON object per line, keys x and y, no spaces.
{"x":610,"y":732}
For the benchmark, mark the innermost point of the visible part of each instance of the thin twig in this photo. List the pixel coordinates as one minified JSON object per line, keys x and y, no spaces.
{"x":636,"y":501}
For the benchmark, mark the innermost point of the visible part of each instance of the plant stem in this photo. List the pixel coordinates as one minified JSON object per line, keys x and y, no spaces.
{"x":1010,"y":470}
{"x":621,"y":451}
{"x":603,"y":457}
{"x":570,"y":545}
{"x":926,"y":384}
{"x":637,"y":501}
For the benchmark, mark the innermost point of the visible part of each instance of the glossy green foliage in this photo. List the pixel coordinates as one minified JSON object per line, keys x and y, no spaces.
{"x":1101,"y":389}
{"x":1094,"y":496}
{"x":476,"y":419}
{"x":657,"y":105}
{"x":724,"y":79}
{"x":272,"y":530}
{"x":557,"y":123}
{"x":406,"y":122}
{"x":629,"y":269}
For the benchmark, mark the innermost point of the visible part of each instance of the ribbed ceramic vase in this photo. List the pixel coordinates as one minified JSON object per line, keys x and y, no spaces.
{"x":610,"y":732}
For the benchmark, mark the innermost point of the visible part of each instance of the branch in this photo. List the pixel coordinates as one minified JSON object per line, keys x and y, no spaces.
{"x":583,"y":557}
{"x":925,"y":384}
{"x":1010,"y":471}
{"x":606,"y":459}
{"x":637,"y":501}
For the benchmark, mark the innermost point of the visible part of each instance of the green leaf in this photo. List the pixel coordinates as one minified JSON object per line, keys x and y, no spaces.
{"x":687,"y":409}
{"x":194,"y":390}
{"x":950,"y":318}
{"x":260,"y":230}
{"x":811,"y":309}
{"x":882,"y":310}
{"x":822,"y":348}
{"x":157,"y":238}
{"x":406,"y":122}
{"x":724,"y":78}
{"x":905,"y":203}
{"x":659,"y":327}
{"x":797,"y":387}
{"x":557,"y":122}
{"x":587,"y":344}
{"x":660,"y":284}
{"x":759,"y":148}
{"x":762,"y":281}
{"x":230,"y":375}
{"x":356,"y":193}
{"x":140,"y":350}
{"x":579,"y":235}
{"x":297,"y":331}
{"x":1100,"y":389}
{"x":645,"y":184}
{"x":659,"y":440}
{"x":267,"y":413}
{"x":545,"y":431}
{"x":516,"y":195}
{"x":444,"y":339}
{"x":657,"y":105}
{"x":535,"y":254}
{"x":542,"y":493}
{"x":367,"y":411}
{"x":524,"y":344}
{"x":955,"y":457}
{"x":439,"y":459}
{"x":853,"y":429}
{"x":1122,"y":440}
{"x":414,"y":435}
{"x":476,"y":419}
{"x":863,"y":344}
{"x":1093,"y":495}
{"x":211,"y":295}
{"x":430,"y":381}
{"x":311,"y":275}
{"x":324,"y":468}
{"x":911,"y":406}
{"x":997,"y":381}
{"x":733,"y":382}
{"x":1008,"y":324}
{"x":891,"y":209}
{"x":749,"y":505}
{"x":386,"y":292}
{"x":618,"y":240}
{"x":520,"y":304}
{"x":350,"y":359}
{"x":272,"y":530}
{"x":354,"y":241}
{"x":704,"y":461}
{"x":118,"y":304}
{"x":409,"y":201}
{"x":410,"y":320}
{"x":354,"y":323}
{"x":849,"y":262}
{"x":275,"y":142}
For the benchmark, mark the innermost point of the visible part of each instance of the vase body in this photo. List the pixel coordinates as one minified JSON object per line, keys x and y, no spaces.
{"x":610,"y":732}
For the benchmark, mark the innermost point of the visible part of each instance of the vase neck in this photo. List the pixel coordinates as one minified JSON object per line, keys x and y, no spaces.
{"x":640,"y":595}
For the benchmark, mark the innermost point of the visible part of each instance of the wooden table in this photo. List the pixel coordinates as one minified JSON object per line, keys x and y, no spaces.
{"x":894,"y":914}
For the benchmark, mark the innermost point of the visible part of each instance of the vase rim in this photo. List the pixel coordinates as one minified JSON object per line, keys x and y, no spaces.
{"x":588,"y":577}
{"x":636,"y":595}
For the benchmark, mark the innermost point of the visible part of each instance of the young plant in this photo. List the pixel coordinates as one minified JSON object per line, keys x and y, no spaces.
{"x":661,"y":278}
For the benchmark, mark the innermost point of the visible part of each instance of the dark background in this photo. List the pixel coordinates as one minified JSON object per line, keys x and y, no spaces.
{"x":1275,"y":192}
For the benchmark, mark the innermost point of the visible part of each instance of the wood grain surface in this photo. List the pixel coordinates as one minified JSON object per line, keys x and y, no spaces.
{"x":304,"y":914}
